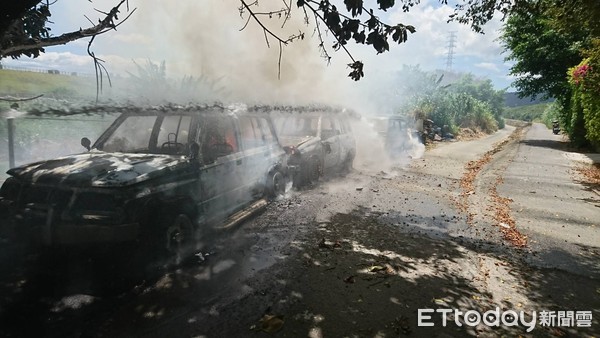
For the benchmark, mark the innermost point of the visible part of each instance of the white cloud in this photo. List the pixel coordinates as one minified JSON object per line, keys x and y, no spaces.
{"x":66,"y":61}
{"x":488,"y":66}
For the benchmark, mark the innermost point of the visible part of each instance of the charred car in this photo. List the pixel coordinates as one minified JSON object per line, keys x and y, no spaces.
{"x":397,"y":132}
{"x":318,"y":141}
{"x":160,"y":177}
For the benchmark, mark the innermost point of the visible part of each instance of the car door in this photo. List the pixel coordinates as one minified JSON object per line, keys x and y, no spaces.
{"x":330,"y":137}
{"x":221,"y":172}
{"x":348,"y":144}
{"x":258,"y":142}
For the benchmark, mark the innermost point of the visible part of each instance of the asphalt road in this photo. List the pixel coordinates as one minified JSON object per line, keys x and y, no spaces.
{"x":354,"y":256}
{"x":560,"y":216}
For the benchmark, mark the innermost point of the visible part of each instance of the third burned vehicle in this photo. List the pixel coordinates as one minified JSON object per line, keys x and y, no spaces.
{"x":318,"y":140}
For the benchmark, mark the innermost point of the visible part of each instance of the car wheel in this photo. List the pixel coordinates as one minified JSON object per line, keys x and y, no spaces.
{"x":178,"y":233}
{"x":314,"y":169}
{"x":348,"y":162}
{"x":276,"y":184}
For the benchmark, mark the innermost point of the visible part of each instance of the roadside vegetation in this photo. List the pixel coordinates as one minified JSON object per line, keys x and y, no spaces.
{"x":540,"y":112}
{"x":529,"y":113}
{"x":29,"y":84}
{"x":567,"y":70}
{"x":461,"y":102}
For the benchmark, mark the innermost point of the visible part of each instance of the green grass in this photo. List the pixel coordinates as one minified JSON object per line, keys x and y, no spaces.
{"x":531,"y":112}
{"x":29,"y":84}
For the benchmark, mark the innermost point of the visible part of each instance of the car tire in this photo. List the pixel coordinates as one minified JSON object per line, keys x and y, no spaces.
{"x":314,"y":169}
{"x":275,"y":184}
{"x":348,"y":163}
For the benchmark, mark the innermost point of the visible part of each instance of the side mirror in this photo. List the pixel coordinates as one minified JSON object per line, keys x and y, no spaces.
{"x":194,"y":151}
{"x":86,"y":143}
{"x":327,"y":147}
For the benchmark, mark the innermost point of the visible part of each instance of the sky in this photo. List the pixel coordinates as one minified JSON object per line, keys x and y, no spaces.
{"x":198,"y":37}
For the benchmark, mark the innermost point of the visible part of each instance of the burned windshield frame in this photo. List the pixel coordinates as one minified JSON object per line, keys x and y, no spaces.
{"x":287,"y":125}
{"x":154,"y":125}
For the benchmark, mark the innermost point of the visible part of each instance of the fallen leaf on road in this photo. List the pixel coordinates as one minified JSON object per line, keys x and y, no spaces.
{"x":376,"y":268}
{"x":271,"y":323}
{"x":440,"y":302}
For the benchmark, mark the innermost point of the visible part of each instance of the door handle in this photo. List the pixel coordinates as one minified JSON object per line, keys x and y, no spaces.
{"x":238,"y":162}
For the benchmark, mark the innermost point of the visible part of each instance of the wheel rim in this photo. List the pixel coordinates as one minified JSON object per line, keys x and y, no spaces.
{"x":278,"y":184}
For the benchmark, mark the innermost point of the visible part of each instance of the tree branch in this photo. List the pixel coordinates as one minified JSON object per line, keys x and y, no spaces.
{"x":322,"y":42}
{"x":334,"y":35}
{"x":267,"y":32}
{"x":103,"y":26}
{"x":265,"y":29}
{"x":14,"y":99}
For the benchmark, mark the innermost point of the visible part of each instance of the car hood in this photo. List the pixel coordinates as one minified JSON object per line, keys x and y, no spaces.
{"x":98,"y":169}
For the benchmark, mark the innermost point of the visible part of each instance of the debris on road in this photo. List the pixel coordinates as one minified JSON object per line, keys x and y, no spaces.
{"x":503,"y":218}
{"x":591,"y":176}
{"x":500,"y":208}
{"x":269,"y":323}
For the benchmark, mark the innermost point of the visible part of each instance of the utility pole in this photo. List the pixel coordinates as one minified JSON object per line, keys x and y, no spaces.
{"x":450,"y":53}
{"x":11,"y":142}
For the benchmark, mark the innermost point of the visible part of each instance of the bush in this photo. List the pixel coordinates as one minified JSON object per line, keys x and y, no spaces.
{"x":585,"y":102}
{"x":459,"y":110}
{"x":468,"y":102}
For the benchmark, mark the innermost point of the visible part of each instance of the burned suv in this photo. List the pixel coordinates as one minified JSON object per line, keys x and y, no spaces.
{"x":158,"y":176}
{"x":318,"y":140}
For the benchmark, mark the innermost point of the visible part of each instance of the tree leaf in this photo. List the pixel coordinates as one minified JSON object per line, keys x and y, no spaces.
{"x":355,"y":7}
{"x":384,"y":5}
